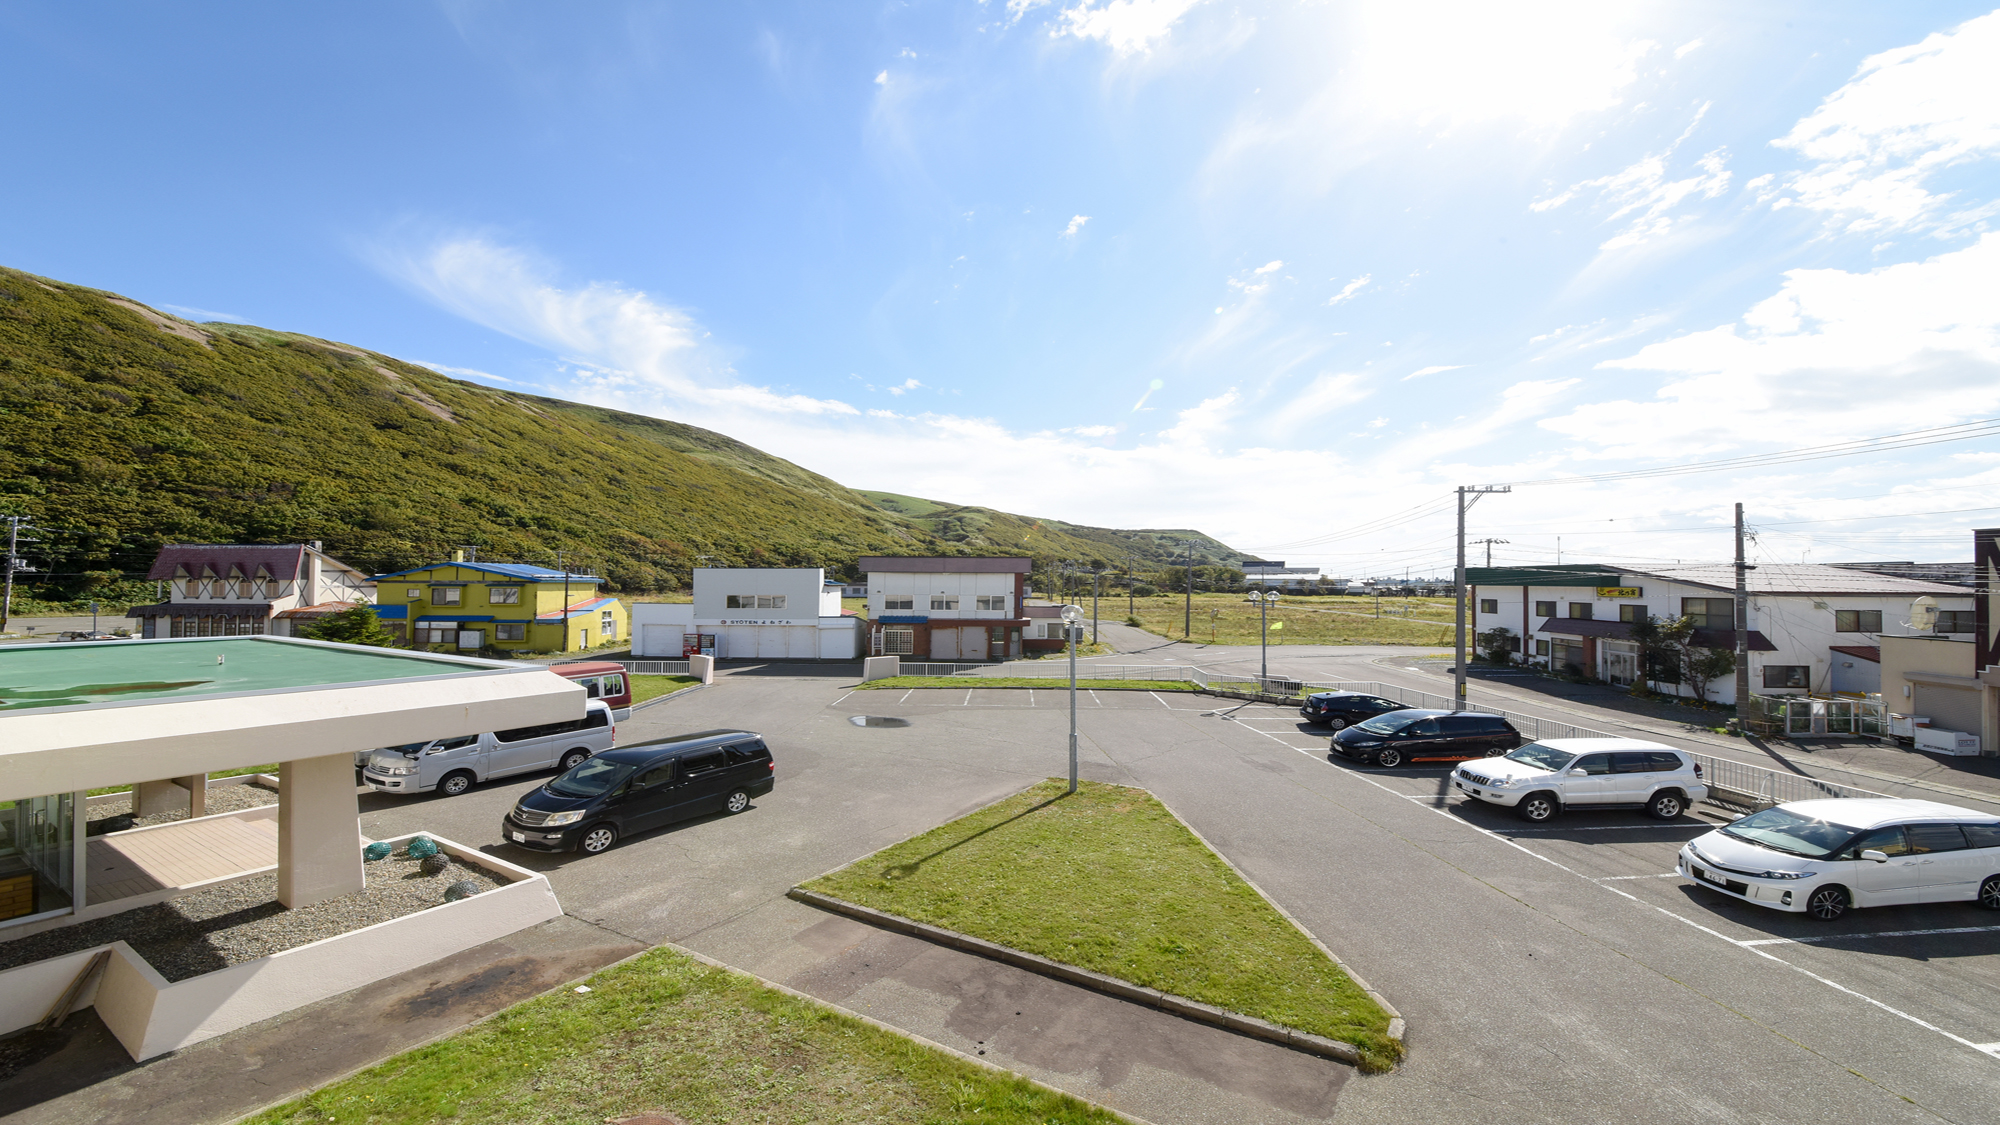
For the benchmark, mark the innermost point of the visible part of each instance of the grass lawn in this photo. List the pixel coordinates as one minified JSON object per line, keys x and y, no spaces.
{"x":666,"y":1032}
{"x":653,"y":687}
{"x":1026,"y":681}
{"x":1107,"y":879}
{"x":1228,"y":619}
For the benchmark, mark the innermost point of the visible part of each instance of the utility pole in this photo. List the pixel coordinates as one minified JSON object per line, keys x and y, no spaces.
{"x":12,"y":563}
{"x":1459,"y":651}
{"x":1131,"y":599}
{"x":1742,"y":627}
{"x":1187,"y":616}
{"x":1095,"y":574}
{"x":1489,"y":548}
{"x":562,"y":615}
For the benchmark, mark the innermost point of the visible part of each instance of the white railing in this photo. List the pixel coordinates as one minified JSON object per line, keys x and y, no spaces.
{"x":656,"y":667}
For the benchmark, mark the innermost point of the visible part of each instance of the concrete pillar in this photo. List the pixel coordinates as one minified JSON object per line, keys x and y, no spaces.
{"x":150,"y":798}
{"x":702,"y":667}
{"x":880,"y":667}
{"x":197,"y":789}
{"x":319,"y":850}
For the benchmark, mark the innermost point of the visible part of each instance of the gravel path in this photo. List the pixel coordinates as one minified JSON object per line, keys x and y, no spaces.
{"x":242,"y":921}
{"x":221,"y":799}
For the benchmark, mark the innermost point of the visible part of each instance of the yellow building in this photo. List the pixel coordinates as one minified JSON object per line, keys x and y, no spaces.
{"x":460,"y":605}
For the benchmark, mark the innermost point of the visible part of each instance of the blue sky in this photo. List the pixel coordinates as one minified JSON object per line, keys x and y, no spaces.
{"x":1272,"y":271}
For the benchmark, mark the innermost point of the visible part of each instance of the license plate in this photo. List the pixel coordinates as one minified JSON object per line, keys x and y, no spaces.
{"x":519,"y":837}
{"x":1708,"y":877}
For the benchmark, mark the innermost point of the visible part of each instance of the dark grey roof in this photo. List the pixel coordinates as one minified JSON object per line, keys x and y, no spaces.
{"x":931,"y":564}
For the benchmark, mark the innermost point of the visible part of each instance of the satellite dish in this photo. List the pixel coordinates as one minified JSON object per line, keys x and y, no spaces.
{"x":1923,"y":614}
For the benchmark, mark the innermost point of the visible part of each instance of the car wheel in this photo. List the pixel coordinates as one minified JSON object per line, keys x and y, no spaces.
{"x":1336,"y":723}
{"x":1536,"y":807}
{"x":599,"y":839}
{"x":1828,"y":903}
{"x":1665,"y":806}
{"x":739,"y":799}
{"x":574,"y":759}
{"x":1989,"y":893}
{"x":454,"y":784}
{"x":1389,"y":759}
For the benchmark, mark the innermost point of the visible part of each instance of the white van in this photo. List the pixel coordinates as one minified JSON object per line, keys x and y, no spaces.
{"x":453,"y":765}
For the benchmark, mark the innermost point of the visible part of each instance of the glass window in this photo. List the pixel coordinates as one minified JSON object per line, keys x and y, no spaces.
{"x":1545,"y":609}
{"x":1981,"y":835}
{"x":594,"y":777}
{"x":899,"y":642}
{"x":1541,"y":648}
{"x":596,"y":719}
{"x":414,"y":592}
{"x":995,"y":601}
{"x":703,"y":762}
{"x":770,"y":601}
{"x":1639,"y":762}
{"x":1581,"y":611}
{"x":1935,"y":838}
{"x":1857,"y":620}
{"x":446,"y":595}
{"x":658,"y":775}
{"x":1593,"y":764}
{"x":1423,"y":727}
{"x":510,"y":632}
{"x":1787,"y":675}
{"x":1666,"y":761}
{"x":1889,"y":841}
{"x":607,"y":624}
{"x":943,"y":602}
{"x":745,"y":752}
{"x":614,"y":685}
{"x":1955,"y":621}
{"x":1791,"y":833}
{"x":1710,"y":613}
{"x":1489,"y":605}
{"x":1542,"y":757}
{"x":1631,"y":613}
{"x":892,"y":602}
{"x":503,"y":595}
{"x":1462,"y":724}
{"x":740,"y":601}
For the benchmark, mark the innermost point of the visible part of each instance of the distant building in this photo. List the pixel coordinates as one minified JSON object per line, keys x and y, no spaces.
{"x":1950,"y":676}
{"x":1814,"y":629}
{"x":750,"y":613}
{"x":461,"y":605}
{"x":241,"y":590}
{"x":951,"y":608}
{"x":1263,"y":573}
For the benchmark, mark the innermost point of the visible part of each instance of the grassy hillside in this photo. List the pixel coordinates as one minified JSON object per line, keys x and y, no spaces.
{"x":126,"y":428}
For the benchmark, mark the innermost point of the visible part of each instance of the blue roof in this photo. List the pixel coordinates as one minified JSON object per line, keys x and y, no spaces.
{"x":451,"y":617}
{"x":903,"y":618}
{"x":521,"y":572}
{"x":392,"y":612}
{"x":576,"y":610}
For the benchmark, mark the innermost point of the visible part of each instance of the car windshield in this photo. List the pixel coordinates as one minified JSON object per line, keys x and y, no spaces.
{"x":1542,"y":757}
{"x":409,"y":749}
{"x":1790,"y":833}
{"x":1393,"y":722}
{"x":593,"y":778}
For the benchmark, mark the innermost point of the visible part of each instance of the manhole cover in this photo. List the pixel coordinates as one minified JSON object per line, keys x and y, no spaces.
{"x":877,"y":721}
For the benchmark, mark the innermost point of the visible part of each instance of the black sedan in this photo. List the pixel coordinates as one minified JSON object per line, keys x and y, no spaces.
{"x":1423,"y":737}
{"x":1343,"y":709}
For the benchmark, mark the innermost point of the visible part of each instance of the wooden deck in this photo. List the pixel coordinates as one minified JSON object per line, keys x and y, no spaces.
{"x":139,"y":862}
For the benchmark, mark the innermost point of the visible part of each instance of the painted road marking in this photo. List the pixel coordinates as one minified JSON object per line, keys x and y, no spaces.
{"x":1666,"y":875}
{"x":1863,"y":937}
{"x":1747,"y":947}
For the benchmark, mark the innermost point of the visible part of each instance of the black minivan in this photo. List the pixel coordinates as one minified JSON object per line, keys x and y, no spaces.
{"x":1420,"y":736}
{"x":638,"y":788}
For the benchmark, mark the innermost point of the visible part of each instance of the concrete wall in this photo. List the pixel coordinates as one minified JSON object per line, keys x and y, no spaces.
{"x":151,"y":1016}
{"x":880,"y":668}
{"x":922,"y":587}
{"x":657,"y":628}
{"x":801,"y":587}
{"x":841,"y":638}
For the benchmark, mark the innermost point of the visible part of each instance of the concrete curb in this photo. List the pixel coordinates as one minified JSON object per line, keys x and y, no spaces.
{"x":1397,"y":1026}
{"x":675,"y":694}
{"x":1096,"y":982}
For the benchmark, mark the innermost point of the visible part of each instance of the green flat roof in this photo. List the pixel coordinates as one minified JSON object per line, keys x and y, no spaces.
{"x":87,"y":673}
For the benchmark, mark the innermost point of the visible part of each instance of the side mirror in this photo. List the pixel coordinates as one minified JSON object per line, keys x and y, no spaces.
{"x":1578,"y":772}
{"x":1878,"y":857}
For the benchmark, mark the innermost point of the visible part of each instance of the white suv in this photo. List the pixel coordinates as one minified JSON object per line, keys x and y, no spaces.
{"x":1542,"y":779}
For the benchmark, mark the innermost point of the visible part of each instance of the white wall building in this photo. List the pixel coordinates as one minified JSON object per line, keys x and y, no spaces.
{"x":1813,"y":629}
{"x":750,"y":613}
{"x":232,"y":590}
{"x":938,"y":608}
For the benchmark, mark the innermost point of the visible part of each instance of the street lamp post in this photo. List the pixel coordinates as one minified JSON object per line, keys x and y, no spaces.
{"x":1264,"y":602}
{"x":1071,"y":614}
{"x":93,"y":621}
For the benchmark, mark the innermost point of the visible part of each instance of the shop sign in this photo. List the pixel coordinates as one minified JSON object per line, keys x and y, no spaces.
{"x":1621,"y":592}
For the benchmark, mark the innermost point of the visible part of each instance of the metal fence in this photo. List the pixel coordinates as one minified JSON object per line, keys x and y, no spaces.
{"x":1739,"y":785}
{"x":656,"y":667}
{"x":1059,"y":670}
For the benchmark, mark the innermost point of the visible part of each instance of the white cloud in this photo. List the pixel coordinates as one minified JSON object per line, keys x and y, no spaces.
{"x":1128,"y":27}
{"x":464,"y":372}
{"x":905,"y":387}
{"x":1431,"y":371}
{"x":1090,"y":431}
{"x":188,"y":313}
{"x":1684,"y":49}
{"x":1350,"y":289}
{"x":882,"y":79}
{"x":1269,"y":267}
{"x":1075,"y":225}
{"x":1643,"y":192}
{"x":1907,"y":115}
{"x":1831,"y":355}
{"x":623,"y":339}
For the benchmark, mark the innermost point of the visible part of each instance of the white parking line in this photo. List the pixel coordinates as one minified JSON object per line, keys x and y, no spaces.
{"x":1817,"y":938}
{"x":843,"y":697}
{"x":1665,"y":875}
{"x":1615,"y":828}
{"x":1986,"y":1049}
{"x":968,"y":698}
{"x":1158,"y":700}
{"x":906,"y":697}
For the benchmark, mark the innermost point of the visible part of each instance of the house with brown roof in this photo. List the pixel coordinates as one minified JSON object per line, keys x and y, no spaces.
{"x":932,"y":608}
{"x":241,"y":590}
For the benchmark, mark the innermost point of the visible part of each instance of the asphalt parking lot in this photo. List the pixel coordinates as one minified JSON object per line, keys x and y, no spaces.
{"x":1549,"y":973}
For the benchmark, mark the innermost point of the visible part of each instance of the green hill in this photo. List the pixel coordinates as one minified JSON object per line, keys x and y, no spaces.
{"x":126,"y":428}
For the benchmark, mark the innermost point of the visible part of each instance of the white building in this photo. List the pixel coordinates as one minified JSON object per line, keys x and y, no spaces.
{"x":750,"y":613}
{"x":1813,"y":629}
{"x":1276,"y":573}
{"x":946,"y":608}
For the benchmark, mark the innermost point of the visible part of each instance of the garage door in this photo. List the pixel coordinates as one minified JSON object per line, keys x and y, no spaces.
{"x":944,"y":644}
{"x":1949,"y":708}
{"x":661,"y":642}
{"x":771,"y":642}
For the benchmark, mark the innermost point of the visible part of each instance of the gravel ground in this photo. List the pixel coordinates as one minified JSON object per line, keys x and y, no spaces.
{"x":221,"y":799}
{"x":242,"y":921}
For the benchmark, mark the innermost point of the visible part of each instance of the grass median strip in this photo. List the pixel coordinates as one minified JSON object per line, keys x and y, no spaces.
{"x":665,"y":1032}
{"x":653,"y":687}
{"x":1107,"y":879}
{"x":1028,"y":682}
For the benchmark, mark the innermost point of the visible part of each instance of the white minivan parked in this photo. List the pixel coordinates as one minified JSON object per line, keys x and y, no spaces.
{"x":452,"y":765}
{"x":1821,"y":857}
